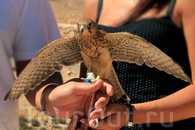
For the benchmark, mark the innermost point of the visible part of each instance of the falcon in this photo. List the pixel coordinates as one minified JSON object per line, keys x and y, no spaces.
{"x":97,"y":49}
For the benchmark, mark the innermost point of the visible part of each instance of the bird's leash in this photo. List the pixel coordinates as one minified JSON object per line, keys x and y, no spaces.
{"x":91,"y":79}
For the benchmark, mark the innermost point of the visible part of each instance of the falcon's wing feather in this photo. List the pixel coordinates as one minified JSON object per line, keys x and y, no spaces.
{"x":134,"y":49}
{"x":51,"y":58}
{"x":119,"y":96}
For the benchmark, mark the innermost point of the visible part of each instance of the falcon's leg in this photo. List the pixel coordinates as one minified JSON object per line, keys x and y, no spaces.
{"x":90,"y":78}
{"x":92,"y":65}
{"x":87,"y":61}
{"x":105,"y":63}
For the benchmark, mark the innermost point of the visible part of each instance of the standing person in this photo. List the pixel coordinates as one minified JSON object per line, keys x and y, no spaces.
{"x":156,"y":97}
{"x":26,"y":26}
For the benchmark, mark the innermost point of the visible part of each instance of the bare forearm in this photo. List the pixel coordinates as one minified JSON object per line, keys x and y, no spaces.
{"x":178,"y":106}
{"x":34,"y":96}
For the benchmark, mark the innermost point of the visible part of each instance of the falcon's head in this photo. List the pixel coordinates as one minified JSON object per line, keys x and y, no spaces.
{"x":87,"y":27}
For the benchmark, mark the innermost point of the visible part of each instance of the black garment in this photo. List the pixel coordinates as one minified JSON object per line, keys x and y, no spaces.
{"x":144,"y":84}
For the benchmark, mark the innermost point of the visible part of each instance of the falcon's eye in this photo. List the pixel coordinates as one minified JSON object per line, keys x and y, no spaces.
{"x":90,"y":25}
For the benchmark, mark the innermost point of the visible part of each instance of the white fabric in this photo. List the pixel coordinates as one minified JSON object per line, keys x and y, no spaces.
{"x":25,"y":27}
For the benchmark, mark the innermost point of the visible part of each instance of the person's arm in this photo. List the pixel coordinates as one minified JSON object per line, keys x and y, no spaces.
{"x":179,"y":105}
{"x":175,"y":107}
{"x":33,"y":96}
{"x":71,"y":97}
{"x":121,"y":9}
{"x":187,"y":16}
{"x":90,"y":11}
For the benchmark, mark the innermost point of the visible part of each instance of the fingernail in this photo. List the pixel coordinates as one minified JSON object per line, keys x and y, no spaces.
{"x":91,"y":123}
{"x":75,"y":117}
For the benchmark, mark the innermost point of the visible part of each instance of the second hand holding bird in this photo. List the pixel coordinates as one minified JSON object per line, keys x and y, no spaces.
{"x":91,"y":79}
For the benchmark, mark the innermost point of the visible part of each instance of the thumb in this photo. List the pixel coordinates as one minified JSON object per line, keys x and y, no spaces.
{"x":88,"y":88}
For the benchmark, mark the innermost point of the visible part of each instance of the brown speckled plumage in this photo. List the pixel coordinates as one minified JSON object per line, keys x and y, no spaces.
{"x":97,"y":49}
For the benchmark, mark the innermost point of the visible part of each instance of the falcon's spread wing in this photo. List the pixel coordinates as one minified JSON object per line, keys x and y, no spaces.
{"x":50,"y":59}
{"x":134,"y":49}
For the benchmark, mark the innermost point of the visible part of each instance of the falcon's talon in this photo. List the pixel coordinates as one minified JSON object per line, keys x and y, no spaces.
{"x":83,"y":79}
{"x":97,"y":78}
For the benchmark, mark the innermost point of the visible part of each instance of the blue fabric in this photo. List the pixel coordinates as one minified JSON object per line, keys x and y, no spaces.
{"x":87,"y":81}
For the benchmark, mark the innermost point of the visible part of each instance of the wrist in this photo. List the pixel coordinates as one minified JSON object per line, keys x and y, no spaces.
{"x":47,"y":106}
{"x":130,"y":121}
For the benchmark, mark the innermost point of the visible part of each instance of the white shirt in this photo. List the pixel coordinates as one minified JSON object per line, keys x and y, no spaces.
{"x":26,"y":26}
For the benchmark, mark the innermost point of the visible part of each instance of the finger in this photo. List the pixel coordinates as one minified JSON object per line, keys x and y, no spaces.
{"x":84,"y":121}
{"x":110,"y":122}
{"x":94,"y":123}
{"x":73,"y":123}
{"x":103,"y":112}
{"x":98,"y":113}
{"x":114,"y":117}
{"x":102,"y":99}
{"x":108,"y":87}
{"x":91,"y":123}
{"x":87,"y":88}
{"x":84,"y":127}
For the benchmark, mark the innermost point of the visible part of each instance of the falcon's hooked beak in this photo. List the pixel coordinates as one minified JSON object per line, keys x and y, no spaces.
{"x":82,"y":28}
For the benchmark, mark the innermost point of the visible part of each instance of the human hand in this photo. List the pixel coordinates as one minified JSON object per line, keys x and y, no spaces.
{"x":114,"y":117}
{"x":74,"y":98}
